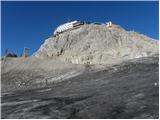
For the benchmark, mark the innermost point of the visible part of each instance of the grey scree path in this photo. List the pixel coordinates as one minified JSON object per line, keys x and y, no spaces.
{"x":127,"y":90}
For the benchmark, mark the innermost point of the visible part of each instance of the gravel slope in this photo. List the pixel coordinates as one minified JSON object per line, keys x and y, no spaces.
{"x":126,"y":90}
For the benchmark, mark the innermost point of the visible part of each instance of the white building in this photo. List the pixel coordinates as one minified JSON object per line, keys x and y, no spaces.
{"x":73,"y":24}
{"x":66,"y":26}
{"x":109,"y":24}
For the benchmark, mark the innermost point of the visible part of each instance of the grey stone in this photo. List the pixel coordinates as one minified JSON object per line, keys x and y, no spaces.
{"x":97,"y":44}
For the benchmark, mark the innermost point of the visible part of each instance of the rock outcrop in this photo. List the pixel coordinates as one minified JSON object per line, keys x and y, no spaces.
{"x":97,"y":44}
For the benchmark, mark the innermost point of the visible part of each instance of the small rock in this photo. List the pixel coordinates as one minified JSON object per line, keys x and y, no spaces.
{"x":155,"y":83}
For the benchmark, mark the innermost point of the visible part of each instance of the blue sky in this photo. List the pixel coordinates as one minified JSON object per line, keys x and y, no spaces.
{"x":28,"y":24}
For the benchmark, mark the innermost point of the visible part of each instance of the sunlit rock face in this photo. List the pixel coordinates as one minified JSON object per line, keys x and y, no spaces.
{"x":97,"y":44}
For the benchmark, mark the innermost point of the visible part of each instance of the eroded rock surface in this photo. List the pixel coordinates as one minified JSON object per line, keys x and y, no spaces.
{"x":127,"y":90}
{"x":97,"y":44}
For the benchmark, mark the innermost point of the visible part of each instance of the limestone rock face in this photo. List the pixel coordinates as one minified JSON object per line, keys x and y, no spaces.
{"x":97,"y":44}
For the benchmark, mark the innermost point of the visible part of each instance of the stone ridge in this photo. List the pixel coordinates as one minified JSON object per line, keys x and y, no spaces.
{"x":97,"y":44}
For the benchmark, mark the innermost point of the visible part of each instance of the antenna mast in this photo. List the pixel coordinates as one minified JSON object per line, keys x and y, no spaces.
{"x":25,"y":52}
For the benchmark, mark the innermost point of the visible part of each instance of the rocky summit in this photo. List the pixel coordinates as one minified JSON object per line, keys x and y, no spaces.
{"x":97,"y":44}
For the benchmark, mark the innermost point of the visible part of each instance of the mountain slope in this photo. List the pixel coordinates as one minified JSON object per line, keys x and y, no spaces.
{"x":97,"y":44}
{"x":115,"y":75}
{"x":127,"y":90}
